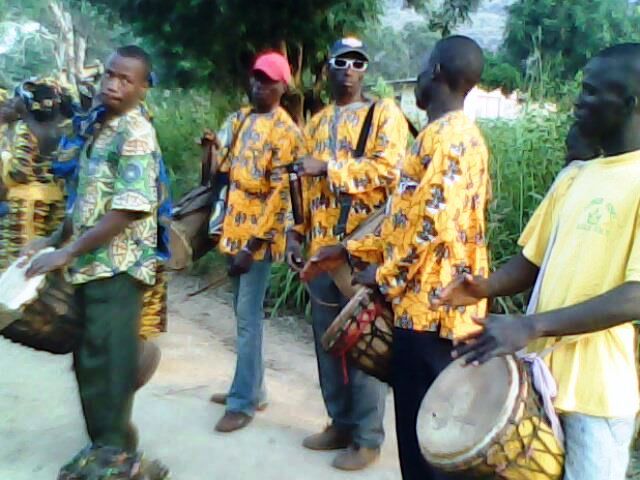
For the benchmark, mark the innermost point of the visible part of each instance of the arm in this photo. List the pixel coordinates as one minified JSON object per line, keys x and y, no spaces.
{"x":506,"y":334}
{"x":112,"y":224}
{"x":516,"y":276}
{"x":379,"y":168}
{"x":617,"y":306}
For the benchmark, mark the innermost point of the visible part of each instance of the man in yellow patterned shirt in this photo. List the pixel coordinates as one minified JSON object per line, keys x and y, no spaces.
{"x":342,"y":188}
{"x":259,"y":143}
{"x":433,"y":230}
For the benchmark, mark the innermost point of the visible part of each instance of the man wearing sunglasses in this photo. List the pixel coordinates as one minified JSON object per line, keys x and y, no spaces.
{"x":343,"y":186}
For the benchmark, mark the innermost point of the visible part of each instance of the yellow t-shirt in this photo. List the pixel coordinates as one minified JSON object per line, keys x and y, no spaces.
{"x":597,"y":248}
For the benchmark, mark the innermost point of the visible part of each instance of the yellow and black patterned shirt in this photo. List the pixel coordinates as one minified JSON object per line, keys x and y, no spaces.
{"x":332,"y":136}
{"x":258,"y":203}
{"x":435,"y":227}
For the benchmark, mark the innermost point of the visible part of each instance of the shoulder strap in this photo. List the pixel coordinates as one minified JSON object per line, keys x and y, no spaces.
{"x":345,"y":200}
{"x":364,"y":132}
{"x":206,"y":166}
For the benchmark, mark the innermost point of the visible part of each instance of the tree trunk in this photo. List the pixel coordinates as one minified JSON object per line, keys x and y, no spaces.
{"x":72,"y":47}
{"x":293,"y":100}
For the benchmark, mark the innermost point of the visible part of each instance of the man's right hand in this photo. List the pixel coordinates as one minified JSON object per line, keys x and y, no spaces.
{"x":35,"y":246}
{"x":294,"y":257}
{"x":464,"y":290}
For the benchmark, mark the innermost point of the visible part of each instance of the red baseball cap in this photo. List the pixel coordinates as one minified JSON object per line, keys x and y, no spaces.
{"x":274,"y":66}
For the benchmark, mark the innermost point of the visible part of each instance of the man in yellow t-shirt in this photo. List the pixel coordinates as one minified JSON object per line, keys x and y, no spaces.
{"x":583,"y":244}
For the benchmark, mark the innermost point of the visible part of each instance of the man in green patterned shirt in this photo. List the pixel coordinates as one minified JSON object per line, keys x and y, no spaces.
{"x":111,"y":258}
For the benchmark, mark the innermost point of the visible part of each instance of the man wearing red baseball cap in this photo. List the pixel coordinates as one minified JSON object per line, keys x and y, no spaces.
{"x":256,"y":142}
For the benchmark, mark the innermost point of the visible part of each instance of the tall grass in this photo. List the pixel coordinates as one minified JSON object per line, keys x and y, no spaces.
{"x":180,"y":117}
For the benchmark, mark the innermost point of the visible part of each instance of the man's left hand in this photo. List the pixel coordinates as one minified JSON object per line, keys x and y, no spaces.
{"x":50,"y":262}
{"x":312,"y":167}
{"x":501,"y":335}
{"x":367,"y":277}
{"x":241,"y":263}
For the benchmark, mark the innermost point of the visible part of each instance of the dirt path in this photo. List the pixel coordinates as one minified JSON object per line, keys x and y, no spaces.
{"x":41,"y":427}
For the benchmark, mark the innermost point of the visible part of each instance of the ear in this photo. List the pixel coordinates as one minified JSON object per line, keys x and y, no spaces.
{"x":437,"y":71}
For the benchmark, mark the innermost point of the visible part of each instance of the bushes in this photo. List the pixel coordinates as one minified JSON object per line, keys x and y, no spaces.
{"x":179,"y":118}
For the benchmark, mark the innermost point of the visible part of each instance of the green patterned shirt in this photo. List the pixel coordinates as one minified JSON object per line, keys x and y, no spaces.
{"x":118,"y":171}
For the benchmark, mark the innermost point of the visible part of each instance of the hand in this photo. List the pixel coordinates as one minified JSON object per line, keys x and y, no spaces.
{"x":241,"y":263}
{"x":50,"y":262}
{"x":326,"y":260}
{"x":501,"y":335}
{"x":367,"y":277}
{"x":311,"y":167}
{"x":464,"y":290}
{"x":209,"y":139}
{"x":294,"y":257}
{"x":33,"y":247}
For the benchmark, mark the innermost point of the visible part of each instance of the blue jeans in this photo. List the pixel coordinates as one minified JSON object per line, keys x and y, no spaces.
{"x":357,"y":406}
{"x":597,"y":448}
{"x":247,"y":389}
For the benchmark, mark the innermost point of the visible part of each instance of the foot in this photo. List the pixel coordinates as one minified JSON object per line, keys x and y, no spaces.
{"x":148,"y":360}
{"x":221,"y":399}
{"x":356,"y":458}
{"x":232,"y":421}
{"x":331,"y":439}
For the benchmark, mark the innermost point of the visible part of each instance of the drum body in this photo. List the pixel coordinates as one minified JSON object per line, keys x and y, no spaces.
{"x":488,"y":420}
{"x":363,"y":333}
{"x":196,"y":223}
{"x":40,"y":312}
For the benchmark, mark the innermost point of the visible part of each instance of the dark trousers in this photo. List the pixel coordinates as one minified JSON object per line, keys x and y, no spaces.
{"x":418,"y":358}
{"x":106,"y":360}
{"x":356,"y":406}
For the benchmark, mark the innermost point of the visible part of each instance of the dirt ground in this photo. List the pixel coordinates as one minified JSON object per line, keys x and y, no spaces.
{"x":41,"y":426}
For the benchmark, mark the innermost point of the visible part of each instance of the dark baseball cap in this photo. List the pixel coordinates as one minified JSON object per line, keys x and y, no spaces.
{"x":349,"y":45}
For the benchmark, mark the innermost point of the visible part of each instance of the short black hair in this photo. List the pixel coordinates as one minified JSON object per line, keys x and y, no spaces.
{"x":627,"y":57}
{"x":139,"y":53}
{"x":461,"y":61}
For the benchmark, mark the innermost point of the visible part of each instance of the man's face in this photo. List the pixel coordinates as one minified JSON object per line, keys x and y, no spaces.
{"x":124,"y":84}
{"x":49,"y":101}
{"x":265,"y":92}
{"x":346,"y":74}
{"x":604,"y":102}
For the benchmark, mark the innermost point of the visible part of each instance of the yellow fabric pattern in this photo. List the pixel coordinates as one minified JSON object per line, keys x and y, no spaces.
{"x":597,"y":248}
{"x":153,"y":317}
{"x":435,"y":227}
{"x":35,"y":200}
{"x":332,"y":135}
{"x":258,"y":203}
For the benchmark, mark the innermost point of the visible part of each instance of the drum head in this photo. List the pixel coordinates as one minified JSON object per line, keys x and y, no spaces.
{"x":15,"y":288}
{"x":465,"y":408}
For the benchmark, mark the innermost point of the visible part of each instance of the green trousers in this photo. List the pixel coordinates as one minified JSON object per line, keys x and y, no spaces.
{"x":106,"y":360}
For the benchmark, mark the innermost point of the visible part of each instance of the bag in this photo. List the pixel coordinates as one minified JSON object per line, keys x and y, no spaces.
{"x":190,"y":235}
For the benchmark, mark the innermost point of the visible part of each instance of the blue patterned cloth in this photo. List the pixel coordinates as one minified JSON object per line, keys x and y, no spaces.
{"x":66,"y":167}
{"x":4,"y":208}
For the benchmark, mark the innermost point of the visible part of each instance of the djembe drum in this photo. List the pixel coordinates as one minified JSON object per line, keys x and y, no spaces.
{"x":39,"y":312}
{"x":363,"y":333}
{"x":488,"y":420}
